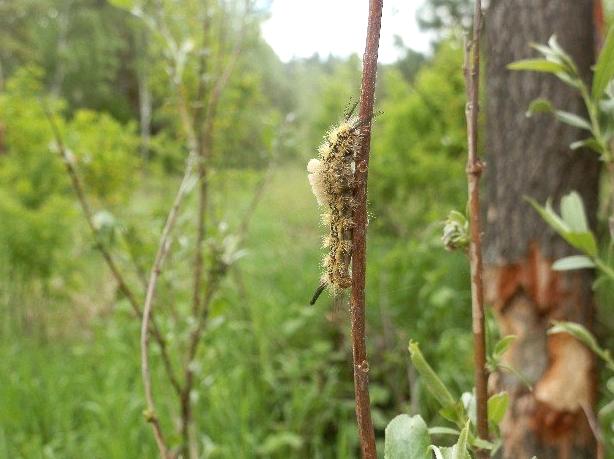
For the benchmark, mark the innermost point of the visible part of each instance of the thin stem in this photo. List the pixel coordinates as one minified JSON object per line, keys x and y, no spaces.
{"x":474,"y":171}
{"x":593,"y":115}
{"x":163,"y":250}
{"x":203,"y":127}
{"x":79,"y":189}
{"x":359,"y":235}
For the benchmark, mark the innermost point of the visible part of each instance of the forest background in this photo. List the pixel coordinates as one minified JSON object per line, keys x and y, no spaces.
{"x":273,"y":377}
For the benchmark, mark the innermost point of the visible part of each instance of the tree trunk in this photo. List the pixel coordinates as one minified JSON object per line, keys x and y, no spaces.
{"x":531,"y":157}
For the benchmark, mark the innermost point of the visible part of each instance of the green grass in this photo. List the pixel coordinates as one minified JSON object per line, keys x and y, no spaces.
{"x":270,"y":384}
{"x":274,"y":374}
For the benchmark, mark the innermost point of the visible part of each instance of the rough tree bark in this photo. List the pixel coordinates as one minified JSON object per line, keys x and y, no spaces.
{"x":531,"y":157}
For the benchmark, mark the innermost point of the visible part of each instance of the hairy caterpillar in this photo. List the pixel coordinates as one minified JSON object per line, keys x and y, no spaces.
{"x":331,"y":176}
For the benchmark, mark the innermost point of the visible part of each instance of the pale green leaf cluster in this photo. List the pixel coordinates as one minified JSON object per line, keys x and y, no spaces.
{"x":572,"y":225}
{"x":409,"y":437}
{"x":599,"y":102}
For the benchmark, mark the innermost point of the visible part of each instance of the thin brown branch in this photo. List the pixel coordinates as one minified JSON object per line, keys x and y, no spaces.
{"x":205,"y":127}
{"x":359,"y":236}
{"x":474,"y":171}
{"x":204,"y":123}
{"x":79,"y":189}
{"x":163,"y":250}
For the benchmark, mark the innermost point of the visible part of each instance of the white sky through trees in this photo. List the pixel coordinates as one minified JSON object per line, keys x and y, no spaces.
{"x":301,"y":28}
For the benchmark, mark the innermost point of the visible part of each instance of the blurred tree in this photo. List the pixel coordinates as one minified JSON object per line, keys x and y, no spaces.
{"x":410,"y":61}
{"x":444,"y":15}
{"x":532,"y":158}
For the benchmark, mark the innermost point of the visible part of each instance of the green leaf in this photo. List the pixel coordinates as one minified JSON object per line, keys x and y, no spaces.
{"x":573,"y":120}
{"x":123,"y":4}
{"x":430,"y":379}
{"x":547,"y":52}
{"x":443,"y":431}
{"x":454,"y":413}
{"x":582,"y":334}
{"x":497,"y":406}
{"x":280,"y":441}
{"x":458,"y":451}
{"x":604,"y":69}
{"x":573,"y":262}
{"x":503,"y":345}
{"x":561,"y":54}
{"x":480,"y":443}
{"x":537,"y":65}
{"x":407,"y":437}
{"x":587,"y":143}
{"x":539,"y":106}
{"x":549,"y":216}
{"x":572,"y":212}
{"x":582,"y":241}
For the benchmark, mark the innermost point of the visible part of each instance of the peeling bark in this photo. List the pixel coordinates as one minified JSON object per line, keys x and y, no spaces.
{"x":531,"y":157}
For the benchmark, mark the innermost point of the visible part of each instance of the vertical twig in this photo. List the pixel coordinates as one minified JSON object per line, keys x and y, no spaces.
{"x":204,"y":123}
{"x":359,"y":241}
{"x":474,"y":171}
{"x":79,"y":190}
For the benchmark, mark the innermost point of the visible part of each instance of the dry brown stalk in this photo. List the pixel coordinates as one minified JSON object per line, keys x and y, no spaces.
{"x":359,"y":241}
{"x":474,"y":172}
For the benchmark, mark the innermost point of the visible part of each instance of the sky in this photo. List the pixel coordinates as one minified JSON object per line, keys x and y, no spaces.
{"x":300,"y":28}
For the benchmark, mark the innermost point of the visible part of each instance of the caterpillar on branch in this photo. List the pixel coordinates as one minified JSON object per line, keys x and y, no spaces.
{"x":331,"y":176}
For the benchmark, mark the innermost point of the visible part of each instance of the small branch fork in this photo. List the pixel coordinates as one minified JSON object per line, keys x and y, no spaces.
{"x":359,"y":241}
{"x":474,"y":171}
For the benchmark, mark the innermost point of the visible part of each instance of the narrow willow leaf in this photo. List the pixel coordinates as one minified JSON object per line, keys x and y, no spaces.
{"x":430,"y":379}
{"x":582,"y":334}
{"x":497,"y":406}
{"x":585,"y":242}
{"x":539,"y":106}
{"x":439,"y":454}
{"x":459,"y":451}
{"x":573,"y":120}
{"x":587,"y":143}
{"x":503,"y":345}
{"x":561,"y":54}
{"x":547,"y":52}
{"x":571,"y":80}
{"x":572,"y":212}
{"x":604,"y":70}
{"x":537,"y":65}
{"x":454,"y":413}
{"x":573,"y":262}
{"x":443,"y":431}
{"x":407,"y":437}
{"x":549,"y":216}
{"x":480,"y":443}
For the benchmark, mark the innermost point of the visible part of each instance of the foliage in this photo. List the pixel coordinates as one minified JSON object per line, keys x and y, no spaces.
{"x":406,"y":437}
{"x":599,"y":102}
{"x":288,"y":362}
{"x":105,"y":152}
{"x":445,"y":15}
{"x":419,"y":144}
{"x":572,"y":223}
